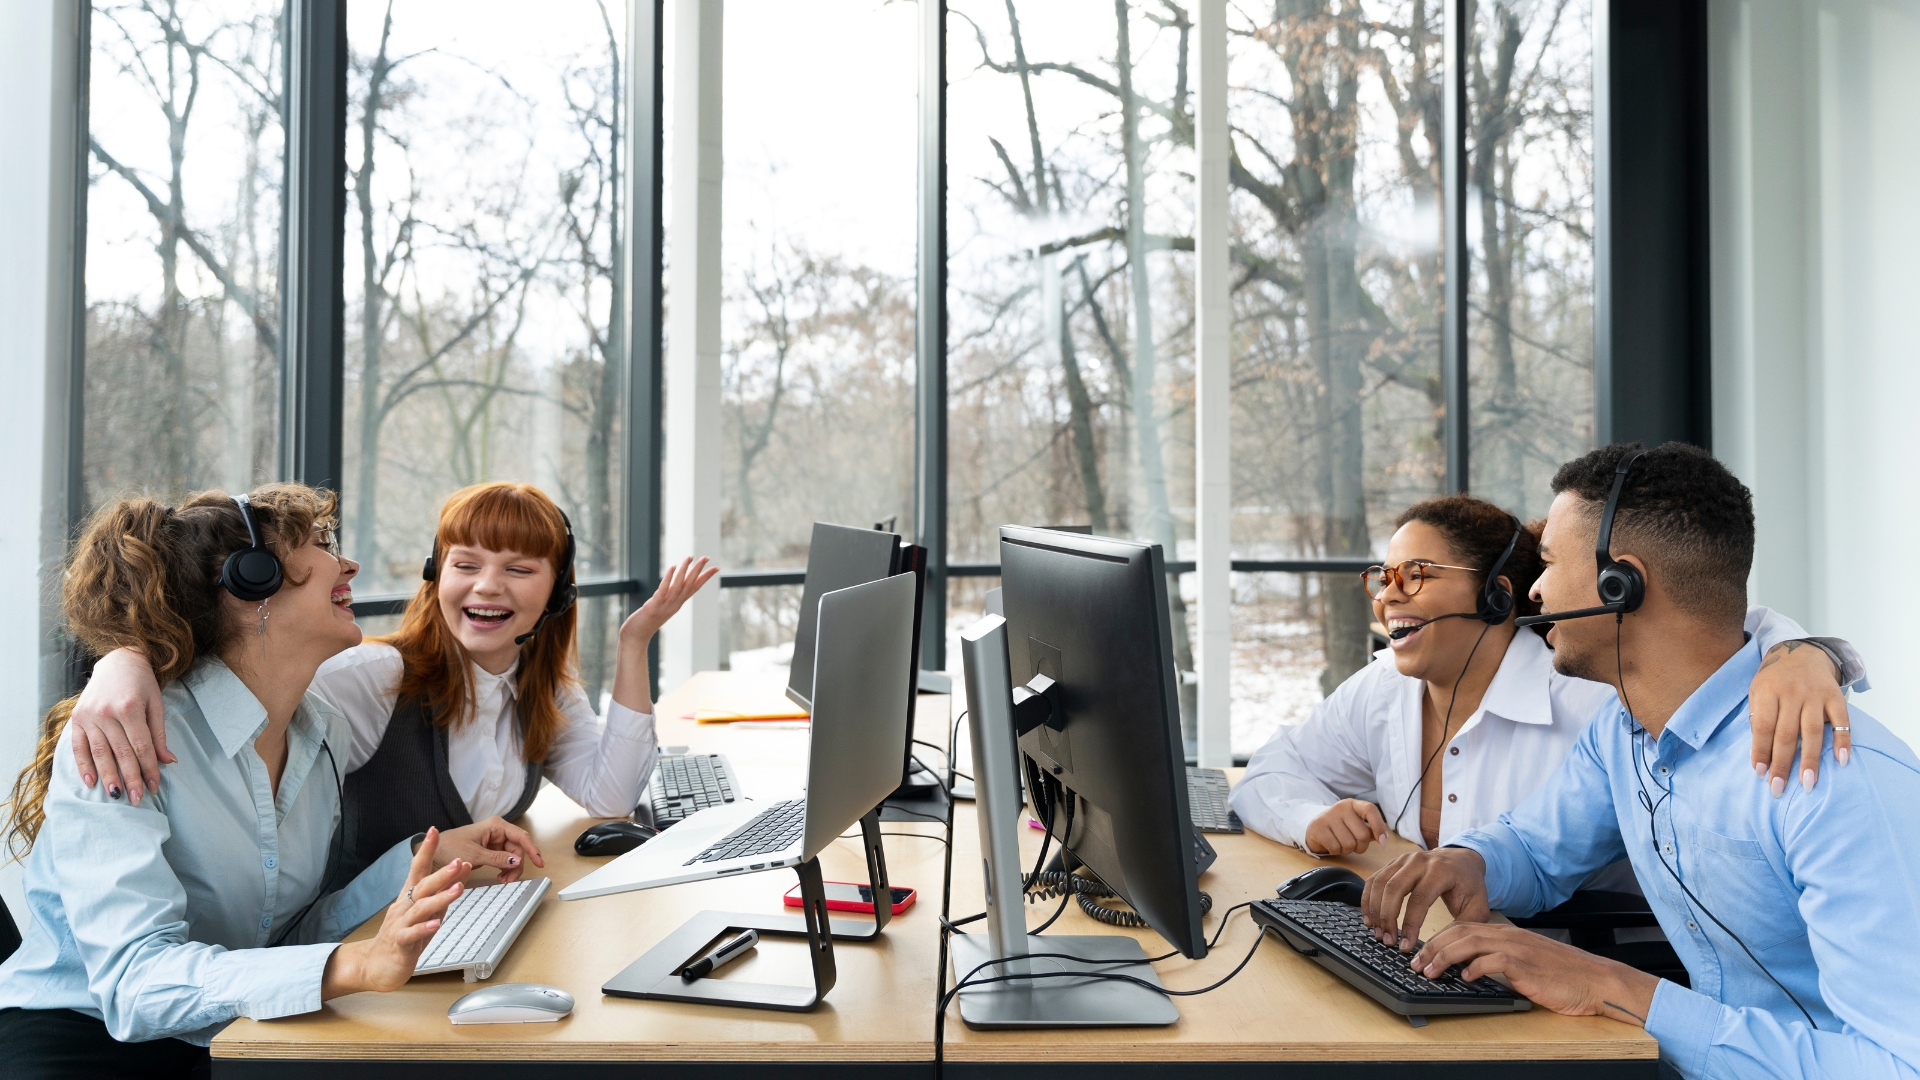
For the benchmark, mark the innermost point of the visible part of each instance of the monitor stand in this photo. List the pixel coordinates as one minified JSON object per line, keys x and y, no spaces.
{"x":656,"y":975}
{"x":1056,"y":998}
{"x":1061,"y":1000}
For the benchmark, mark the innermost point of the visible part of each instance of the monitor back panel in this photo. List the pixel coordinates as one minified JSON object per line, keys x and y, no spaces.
{"x":860,"y":716}
{"x":837,"y":558}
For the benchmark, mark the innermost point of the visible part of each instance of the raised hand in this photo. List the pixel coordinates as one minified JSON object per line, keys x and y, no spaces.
{"x":677,"y":586}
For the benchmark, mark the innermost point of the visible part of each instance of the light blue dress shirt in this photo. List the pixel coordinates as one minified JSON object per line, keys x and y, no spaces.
{"x":1823,"y":886}
{"x":157,"y":919}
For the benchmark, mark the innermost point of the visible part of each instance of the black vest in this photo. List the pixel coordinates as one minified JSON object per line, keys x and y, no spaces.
{"x":404,"y":788}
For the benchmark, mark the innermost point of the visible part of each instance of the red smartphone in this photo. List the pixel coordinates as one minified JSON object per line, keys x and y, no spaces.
{"x":844,"y":896}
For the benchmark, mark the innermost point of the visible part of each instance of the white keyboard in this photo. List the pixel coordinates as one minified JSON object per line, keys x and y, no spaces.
{"x":479,"y":926}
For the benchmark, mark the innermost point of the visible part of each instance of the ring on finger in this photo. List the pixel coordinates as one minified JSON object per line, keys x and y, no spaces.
{"x":409,"y":894}
{"x":1843,"y":728}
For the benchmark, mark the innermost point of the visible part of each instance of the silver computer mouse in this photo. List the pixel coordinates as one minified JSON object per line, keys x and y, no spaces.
{"x":512,"y":1003}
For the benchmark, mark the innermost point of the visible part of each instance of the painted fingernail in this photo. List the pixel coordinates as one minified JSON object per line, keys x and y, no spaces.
{"x":1760,"y":769}
{"x":113,"y":791}
{"x":1843,"y":754}
{"x":1806,"y":779}
{"x":1778,"y":785}
{"x":513,"y":860}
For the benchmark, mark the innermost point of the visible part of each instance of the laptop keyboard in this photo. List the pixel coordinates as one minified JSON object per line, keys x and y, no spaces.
{"x":776,"y":828}
{"x":685,"y":784}
{"x":1207,"y":801}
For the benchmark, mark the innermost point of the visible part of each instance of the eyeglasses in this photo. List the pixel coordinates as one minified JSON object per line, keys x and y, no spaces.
{"x":1409,"y":575}
{"x":327,"y":539}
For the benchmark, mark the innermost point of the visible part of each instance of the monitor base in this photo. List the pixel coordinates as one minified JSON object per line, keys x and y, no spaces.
{"x":1060,"y":1002}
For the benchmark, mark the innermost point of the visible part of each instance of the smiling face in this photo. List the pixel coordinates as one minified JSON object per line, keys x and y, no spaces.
{"x":1582,"y":648}
{"x":1438,"y":651}
{"x":488,"y":598}
{"x":311,"y":617}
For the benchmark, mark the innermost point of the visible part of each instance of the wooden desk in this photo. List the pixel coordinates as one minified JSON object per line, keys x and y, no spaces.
{"x":880,"y":1010}
{"x":1283,"y":1007}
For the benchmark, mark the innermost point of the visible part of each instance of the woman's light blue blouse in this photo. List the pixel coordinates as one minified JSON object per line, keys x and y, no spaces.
{"x":158,"y":918}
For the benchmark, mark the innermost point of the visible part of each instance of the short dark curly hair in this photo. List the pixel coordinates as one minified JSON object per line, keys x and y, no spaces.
{"x":1478,"y":532}
{"x":1683,"y":512}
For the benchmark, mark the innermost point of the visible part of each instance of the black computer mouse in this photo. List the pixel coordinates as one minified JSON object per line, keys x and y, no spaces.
{"x":1324,"y":883}
{"x":613,"y":838}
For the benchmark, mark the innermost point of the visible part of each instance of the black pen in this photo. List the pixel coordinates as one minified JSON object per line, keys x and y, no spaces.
{"x":727,"y":952}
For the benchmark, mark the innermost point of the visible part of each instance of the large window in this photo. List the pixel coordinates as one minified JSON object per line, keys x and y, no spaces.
{"x":1070,"y":363}
{"x":182,"y":337}
{"x":484,"y":235}
{"x":818,"y":309}
{"x":502,"y":273}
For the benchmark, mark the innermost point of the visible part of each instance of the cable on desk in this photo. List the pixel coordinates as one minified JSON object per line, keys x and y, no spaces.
{"x":1089,"y":892}
{"x":973,"y":977}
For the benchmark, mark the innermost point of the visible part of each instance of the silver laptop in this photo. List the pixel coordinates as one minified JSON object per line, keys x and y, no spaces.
{"x":864,"y":647}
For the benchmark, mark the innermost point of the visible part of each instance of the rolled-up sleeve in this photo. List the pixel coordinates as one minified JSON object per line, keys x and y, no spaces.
{"x":1307,"y":767}
{"x":127,"y":913}
{"x":604,"y":768}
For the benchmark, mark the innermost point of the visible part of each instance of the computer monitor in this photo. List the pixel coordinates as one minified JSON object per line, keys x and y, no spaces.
{"x":838,"y":558}
{"x":1090,"y":613}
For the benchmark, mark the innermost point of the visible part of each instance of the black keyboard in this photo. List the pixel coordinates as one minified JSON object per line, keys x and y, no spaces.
{"x":1207,"y":801}
{"x":685,"y":784}
{"x":1332,"y":933}
{"x":776,"y":828}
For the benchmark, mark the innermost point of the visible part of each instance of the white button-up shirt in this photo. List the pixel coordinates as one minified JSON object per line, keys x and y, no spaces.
{"x":1363,"y":742}
{"x":604,"y":769}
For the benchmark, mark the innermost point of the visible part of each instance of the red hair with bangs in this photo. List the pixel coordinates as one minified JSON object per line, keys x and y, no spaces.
{"x":499,"y":517}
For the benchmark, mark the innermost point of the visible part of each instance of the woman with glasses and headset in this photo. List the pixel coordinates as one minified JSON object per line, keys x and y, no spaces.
{"x":1463,"y":716}
{"x":154,"y":925}
{"x":457,"y":716}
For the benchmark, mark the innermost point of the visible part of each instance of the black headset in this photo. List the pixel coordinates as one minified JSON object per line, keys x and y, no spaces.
{"x":565,"y":591}
{"x":254,"y":572}
{"x":1496,"y":599}
{"x":1621,"y":586}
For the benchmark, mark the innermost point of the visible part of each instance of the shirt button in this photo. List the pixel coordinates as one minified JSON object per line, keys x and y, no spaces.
{"x":272,"y":862}
{"x":1455,"y":750}
{"x":1453,"y":798}
{"x":1668,"y":848}
{"x":1691,"y":925}
{"x":266,"y":922}
{"x":1664,"y":770}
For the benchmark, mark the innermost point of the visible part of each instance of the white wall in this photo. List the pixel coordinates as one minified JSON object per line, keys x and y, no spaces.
{"x":1816,"y":321}
{"x":38,"y":53}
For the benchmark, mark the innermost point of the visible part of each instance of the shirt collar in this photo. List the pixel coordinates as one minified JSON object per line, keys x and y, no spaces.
{"x":1713,"y":702}
{"x":485,"y":682}
{"x":235,"y":716}
{"x":1520,"y":688}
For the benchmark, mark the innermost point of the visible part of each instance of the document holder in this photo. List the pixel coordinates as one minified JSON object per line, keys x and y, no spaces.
{"x":656,"y":975}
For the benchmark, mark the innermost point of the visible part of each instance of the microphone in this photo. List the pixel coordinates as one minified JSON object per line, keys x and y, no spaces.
{"x":524,"y":638}
{"x":1576,"y":613}
{"x":1405,"y":630}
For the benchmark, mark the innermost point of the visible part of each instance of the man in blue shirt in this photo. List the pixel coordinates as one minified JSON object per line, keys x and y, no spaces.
{"x":1797,"y":912}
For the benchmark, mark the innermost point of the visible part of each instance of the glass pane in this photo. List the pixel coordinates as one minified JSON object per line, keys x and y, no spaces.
{"x":817,"y":370}
{"x":1070,"y":217}
{"x":484,"y":227}
{"x":183,"y":248}
{"x":1337,"y":403}
{"x":1530,"y":228}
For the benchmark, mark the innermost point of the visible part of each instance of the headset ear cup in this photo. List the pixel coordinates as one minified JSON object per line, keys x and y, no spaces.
{"x":1622,"y":584}
{"x":251,"y":574}
{"x":428,"y":572}
{"x":1498,"y":602}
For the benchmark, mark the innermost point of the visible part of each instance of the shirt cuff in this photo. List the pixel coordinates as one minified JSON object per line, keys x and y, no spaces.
{"x":1294,"y":821}
{"x":628,"y":724}
{"x":297,"y":973}
{"x":1684,"y":1022}
{"x":1853,"y":670}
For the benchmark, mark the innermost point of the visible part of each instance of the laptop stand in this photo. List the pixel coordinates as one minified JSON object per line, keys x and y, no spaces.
{"x":656,"y":975}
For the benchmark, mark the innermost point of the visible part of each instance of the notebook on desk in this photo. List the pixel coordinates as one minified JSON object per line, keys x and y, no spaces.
{"x":743,"y":697}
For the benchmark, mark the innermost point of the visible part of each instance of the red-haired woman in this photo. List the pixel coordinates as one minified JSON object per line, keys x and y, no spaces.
{"x":458,"y":715}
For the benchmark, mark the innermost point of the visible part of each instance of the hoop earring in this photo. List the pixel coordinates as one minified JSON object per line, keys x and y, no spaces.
{"x":263,"y":612}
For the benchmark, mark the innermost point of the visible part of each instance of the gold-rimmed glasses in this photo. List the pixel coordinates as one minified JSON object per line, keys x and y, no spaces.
{"x":1409,"y":575}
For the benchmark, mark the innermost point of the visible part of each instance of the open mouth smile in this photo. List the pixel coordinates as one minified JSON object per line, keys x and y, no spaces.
{"x":487,"y":617}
